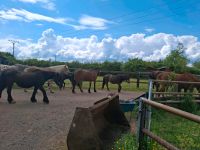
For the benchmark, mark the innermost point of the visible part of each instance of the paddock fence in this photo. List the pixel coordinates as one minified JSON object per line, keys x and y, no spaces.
{"x":138,"y":75}
{"x":144,"y":117}
{"x":143,"y":130}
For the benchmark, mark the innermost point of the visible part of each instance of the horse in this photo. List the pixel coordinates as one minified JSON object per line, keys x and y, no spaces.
{"x":84,"y":75}
{"x":115,"y":79}
{"x":188,"y":77}
{"x":155,"y":72}
{"x":63,"y":70}
{"x":30,"y":77}
{"x":186,"y":86}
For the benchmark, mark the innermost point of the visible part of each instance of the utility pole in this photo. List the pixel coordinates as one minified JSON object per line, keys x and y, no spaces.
{"x":13,"y":43}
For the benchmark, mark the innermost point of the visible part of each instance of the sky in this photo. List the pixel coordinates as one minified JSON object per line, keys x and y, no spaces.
{"x":99,"y":30}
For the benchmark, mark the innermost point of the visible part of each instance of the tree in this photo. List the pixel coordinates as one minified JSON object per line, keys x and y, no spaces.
{"x":176,"y":60}
{"x":135,"y":64}
{"x":197,"y":64}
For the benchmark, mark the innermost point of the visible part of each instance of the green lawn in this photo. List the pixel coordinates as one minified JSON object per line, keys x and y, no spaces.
{"x":181,"y":132}
{"x":125,"y":86}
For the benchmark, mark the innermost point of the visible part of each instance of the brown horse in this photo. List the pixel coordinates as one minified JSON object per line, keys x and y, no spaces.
{"x":32,"y":77}
{"x":115,"y":79}
{"x":154,"y":72}
{"x":188,"y":77}
{"x":84,"y":75}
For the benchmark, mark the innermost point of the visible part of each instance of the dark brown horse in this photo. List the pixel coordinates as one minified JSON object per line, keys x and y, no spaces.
{"x":188,"y":77}
{"x":154,"y":75}
{"x":185,"y":77}
{"x":85,"y":75}
{"x":115,"y":79}
{"x":32,"y":77}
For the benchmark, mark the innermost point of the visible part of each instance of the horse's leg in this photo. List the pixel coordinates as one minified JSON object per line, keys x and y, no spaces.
{"x":107,"y":86}
{"x":103,"y":84}
{"x":89,"y":87}
{"x":95,"y":86}
{"x":50,"y":86}
{"x":63,"y":85}
{"x":33,"y":99}
{"x":45,"y":98}
{"x":119,"y":87}
{"x":80,"y":86}
{"x":10,"y":99}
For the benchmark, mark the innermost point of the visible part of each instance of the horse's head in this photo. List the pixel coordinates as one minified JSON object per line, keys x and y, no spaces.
{"x":58,"y":79}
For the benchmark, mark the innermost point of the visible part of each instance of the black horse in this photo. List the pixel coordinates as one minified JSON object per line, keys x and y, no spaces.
{"x":34,"y":77}
{"x":115,"y":79}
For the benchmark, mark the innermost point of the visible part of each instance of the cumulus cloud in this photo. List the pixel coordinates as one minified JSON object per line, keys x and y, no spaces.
{"x":26,"y":16}
{"x":48,"y":4}
{"x":150,"y":48}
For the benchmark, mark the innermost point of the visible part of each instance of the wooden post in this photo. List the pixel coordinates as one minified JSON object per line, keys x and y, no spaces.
{"x":138,"y":79}
{"x":142,"y":144}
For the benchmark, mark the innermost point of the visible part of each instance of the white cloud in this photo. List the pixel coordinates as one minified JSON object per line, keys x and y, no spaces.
{"x":90,"y":22}
{"x":149,"y":30}
{"x":24,"y":15}
{"x":150,"y":48}
{"x":48,"y":4}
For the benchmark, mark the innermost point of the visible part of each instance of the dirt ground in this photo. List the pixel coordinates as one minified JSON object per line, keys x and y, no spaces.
{"x":38,"y":126}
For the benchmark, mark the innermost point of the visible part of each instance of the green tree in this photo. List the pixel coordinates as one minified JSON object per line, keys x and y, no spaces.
{"x":176,"y":60}
{"x":197,"y":64}
{"x":135,"y":64}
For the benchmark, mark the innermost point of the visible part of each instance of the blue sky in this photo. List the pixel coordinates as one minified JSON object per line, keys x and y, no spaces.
{"x":112,"y":27}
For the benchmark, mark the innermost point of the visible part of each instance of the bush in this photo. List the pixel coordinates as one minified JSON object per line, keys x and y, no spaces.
{"x":188,"y":104}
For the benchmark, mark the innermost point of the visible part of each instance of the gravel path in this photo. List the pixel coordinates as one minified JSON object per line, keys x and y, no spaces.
{"x":28,"y":126}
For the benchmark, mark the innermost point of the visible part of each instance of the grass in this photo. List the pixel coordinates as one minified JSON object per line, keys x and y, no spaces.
{"x":126,"y":142}
{"x":125,"y":86}
{"x":181,"y":132}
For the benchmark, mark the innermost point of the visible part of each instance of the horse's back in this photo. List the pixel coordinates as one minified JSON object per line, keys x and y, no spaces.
{"x":85,"y":75}
{"x":60,"y":68}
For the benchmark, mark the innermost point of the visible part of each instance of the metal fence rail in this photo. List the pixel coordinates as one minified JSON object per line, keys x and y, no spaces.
{"x":142,"y":122}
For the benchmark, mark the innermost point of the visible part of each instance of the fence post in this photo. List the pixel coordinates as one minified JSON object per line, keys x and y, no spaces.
{"x":141,"y":119}
{"x":149,"y":107}
{"x":138,"y":79}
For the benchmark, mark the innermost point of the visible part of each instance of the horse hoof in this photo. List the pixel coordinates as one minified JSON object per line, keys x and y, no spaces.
{"x":46,"y":102}
{"x":12,"y":102}
{"x":33,"y":100}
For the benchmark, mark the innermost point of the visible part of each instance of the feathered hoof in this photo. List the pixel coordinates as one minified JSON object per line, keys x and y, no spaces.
{"x":12,"y":102}
{"x":46,"y":102}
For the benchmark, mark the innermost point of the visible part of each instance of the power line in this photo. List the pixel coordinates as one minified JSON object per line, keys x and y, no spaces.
{"x":13,"y":43}
{"x":138,"y":22}
{"x":140,"y":17}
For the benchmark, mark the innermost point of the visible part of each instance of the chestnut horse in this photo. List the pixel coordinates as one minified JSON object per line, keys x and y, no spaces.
{"x":84,"y":75}
{"x":30,"y":77}
{"x":187,"y":77}
{"x":115,"y":79}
